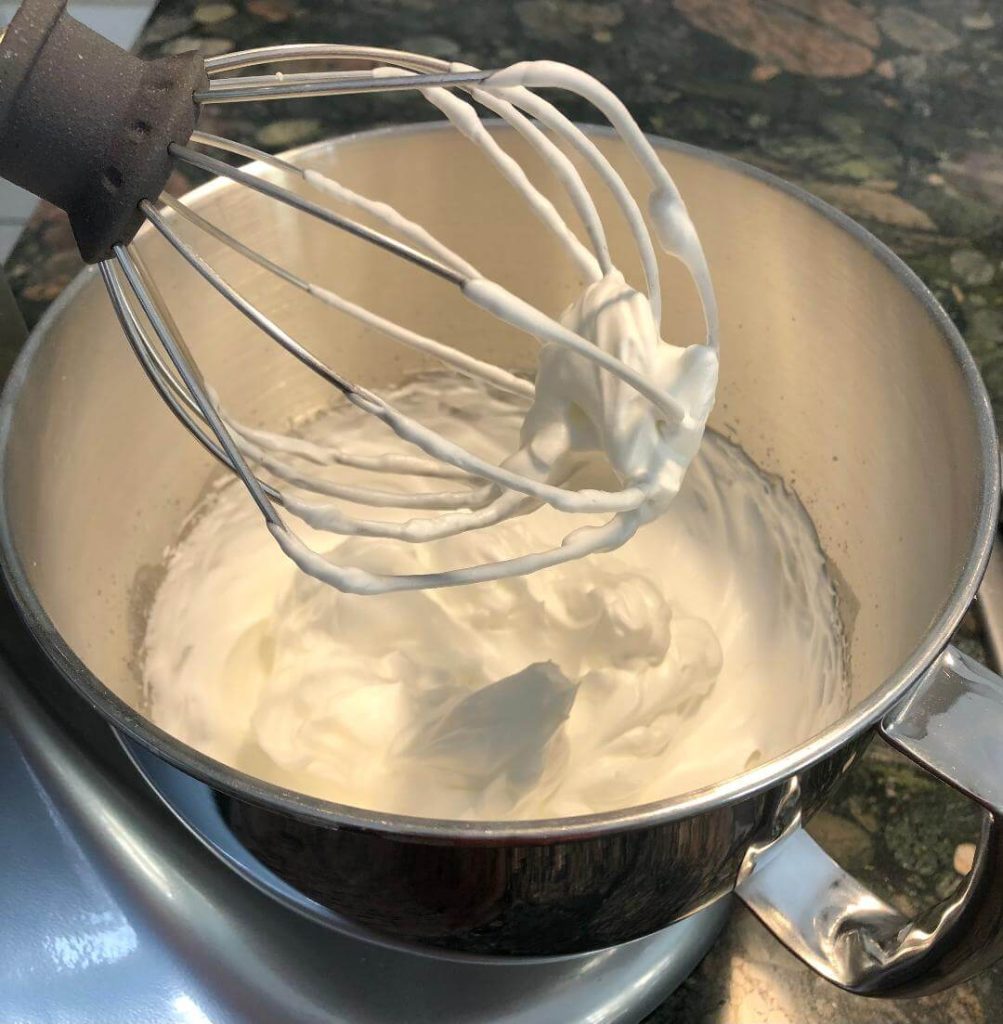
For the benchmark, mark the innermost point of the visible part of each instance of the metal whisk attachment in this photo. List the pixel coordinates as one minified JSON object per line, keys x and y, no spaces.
{"x":111,"y":182}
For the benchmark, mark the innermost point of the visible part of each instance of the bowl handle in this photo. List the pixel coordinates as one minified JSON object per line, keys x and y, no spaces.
{"x":951,"y":723}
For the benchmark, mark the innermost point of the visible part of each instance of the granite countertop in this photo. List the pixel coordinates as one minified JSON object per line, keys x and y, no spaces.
{"x":890,"y":111}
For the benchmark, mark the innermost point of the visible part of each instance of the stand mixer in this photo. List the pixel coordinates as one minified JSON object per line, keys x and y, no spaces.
{"x":656,"y":863}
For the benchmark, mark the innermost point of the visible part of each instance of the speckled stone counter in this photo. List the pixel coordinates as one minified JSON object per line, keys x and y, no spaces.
{"x":891,"y":111}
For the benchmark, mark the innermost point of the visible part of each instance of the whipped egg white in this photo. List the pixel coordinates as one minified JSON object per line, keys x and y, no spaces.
{"x":709,"y":642}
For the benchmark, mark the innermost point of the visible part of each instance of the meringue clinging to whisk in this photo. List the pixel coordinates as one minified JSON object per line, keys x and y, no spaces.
{"x":608,"y":387}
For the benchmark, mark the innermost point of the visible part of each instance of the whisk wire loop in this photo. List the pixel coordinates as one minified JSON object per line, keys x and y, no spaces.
{"x":186,"y":367}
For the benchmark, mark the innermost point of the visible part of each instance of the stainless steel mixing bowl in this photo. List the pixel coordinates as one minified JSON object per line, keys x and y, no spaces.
{"x":839,"y":372}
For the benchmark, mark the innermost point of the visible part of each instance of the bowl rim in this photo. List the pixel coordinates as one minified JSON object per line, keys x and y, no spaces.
{"x":748,"y":784}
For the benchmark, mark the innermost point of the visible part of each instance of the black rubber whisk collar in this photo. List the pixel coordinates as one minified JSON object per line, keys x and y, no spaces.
{"x":87,"y":125}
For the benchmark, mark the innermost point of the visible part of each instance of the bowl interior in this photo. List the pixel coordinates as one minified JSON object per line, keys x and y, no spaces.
{"x":835,"y":375}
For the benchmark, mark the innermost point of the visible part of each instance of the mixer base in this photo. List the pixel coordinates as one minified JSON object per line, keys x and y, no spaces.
{"x":114,"y":910}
